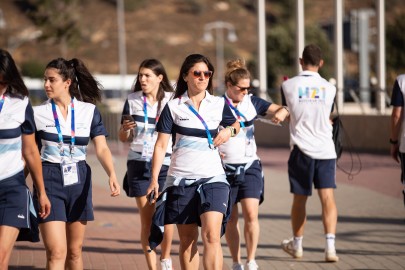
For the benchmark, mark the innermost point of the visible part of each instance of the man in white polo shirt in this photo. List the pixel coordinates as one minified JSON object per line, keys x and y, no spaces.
{"x":312,"y":161}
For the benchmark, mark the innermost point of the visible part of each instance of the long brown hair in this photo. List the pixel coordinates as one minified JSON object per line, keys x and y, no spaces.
{"x":84,"y":86}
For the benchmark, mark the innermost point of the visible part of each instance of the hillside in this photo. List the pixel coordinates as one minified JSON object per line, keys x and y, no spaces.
{"x":168,"y":30}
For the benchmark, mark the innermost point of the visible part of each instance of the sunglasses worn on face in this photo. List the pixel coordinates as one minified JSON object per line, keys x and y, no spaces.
{"x":3,"y":83}
{"x":207,"y":74}
{"x":243,"y":88}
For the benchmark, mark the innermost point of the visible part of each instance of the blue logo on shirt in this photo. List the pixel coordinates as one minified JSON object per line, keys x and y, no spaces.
{"x":312,"y":94}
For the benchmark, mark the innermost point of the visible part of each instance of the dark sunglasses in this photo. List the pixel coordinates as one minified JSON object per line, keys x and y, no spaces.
{"x":3,"y":83}
{"x":243,"y":88}
{"x":207,"y":74}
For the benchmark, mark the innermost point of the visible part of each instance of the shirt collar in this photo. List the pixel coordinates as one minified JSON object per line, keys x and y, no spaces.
{"x":184,"y":98}
{"x":309,"y":73}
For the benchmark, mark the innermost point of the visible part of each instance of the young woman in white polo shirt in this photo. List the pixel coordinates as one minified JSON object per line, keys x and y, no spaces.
{"x":196,"y":189}
{"x":17,"y":143}
{"x":151,"y":91}
{"x":242,"y":165}
{"x":65,"y":124}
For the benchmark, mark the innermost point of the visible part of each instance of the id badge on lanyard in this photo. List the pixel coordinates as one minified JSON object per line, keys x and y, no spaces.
{"x":69,"y":168}
{"x":70,"y":173}
{"x":148,"y":147}
{"x":249,"y":147}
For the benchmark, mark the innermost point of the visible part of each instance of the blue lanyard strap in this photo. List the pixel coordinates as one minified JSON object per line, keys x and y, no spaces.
{"x":238,"y":113}
{"x":210,"y":141}
{"x":2,"y":102}
{"x":57,"y":125}
{"x":145,"y":112}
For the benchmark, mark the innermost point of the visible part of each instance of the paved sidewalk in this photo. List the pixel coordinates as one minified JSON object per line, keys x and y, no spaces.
{"x":371,"y":227}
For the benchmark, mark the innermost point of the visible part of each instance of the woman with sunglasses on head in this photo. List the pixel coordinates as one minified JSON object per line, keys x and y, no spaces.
{"x":17,"y":144}
{"x":242,"y":165}
{"x":151,"y":92}
{"x":196,"y":191}
{"x":65,"y":123}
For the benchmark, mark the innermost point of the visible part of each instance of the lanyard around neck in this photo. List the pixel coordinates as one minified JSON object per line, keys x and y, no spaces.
{"x":210,"y":141}
{"x":2,"y":102}
{"x":145,"y":113}
{"x":57,"y":125}
{"x":238,"y":113}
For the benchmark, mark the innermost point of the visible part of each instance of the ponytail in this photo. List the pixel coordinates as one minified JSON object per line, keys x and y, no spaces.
{"x":84,"y":86}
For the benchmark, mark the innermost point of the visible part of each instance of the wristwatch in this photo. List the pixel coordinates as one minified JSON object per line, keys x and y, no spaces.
{"x":232,"y":129}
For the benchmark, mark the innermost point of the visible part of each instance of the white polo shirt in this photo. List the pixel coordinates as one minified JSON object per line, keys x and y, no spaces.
{"x":88,"y":124}
{"x":192,"y":157}
{"x":397,"y":100}
{"x":134,"y":106}
{"x":235,"y":149}
{"x":310,"y":98}
{"x":16,"y":118}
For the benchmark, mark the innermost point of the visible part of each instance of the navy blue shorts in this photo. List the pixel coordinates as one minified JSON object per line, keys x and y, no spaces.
{"x":14,"y":198}
{"x":71,"y":203}
{"x":184,"y":205}
{"x":139,"y":175}
{"x":303,"y":171}
{"x":251,"y":185}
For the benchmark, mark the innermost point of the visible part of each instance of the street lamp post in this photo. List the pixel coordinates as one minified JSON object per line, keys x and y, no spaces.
{"x":219,"y":27}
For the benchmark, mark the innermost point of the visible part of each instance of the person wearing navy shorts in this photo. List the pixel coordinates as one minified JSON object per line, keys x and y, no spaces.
{"x":17,"y":144}
{"x":242,"y":165}
{"x":312,"y":161}
{"x":151,"y":91}
{"x":196,"y":191}
{"x":65,"y":124}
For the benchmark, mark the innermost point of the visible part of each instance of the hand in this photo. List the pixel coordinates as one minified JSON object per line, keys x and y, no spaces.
{"x":114,"y":187}
{"x":44,"y":206}
{"x":128,"y":125}
{"x":222,"y":137}
{"x":153,"y":186}
{"x":280,"y":115}
{"x":395,"y":152}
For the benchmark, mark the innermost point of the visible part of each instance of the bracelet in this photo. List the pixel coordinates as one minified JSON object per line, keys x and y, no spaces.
{"x":286,"y":108}
{"x":393,"y":142}
{"x":232,"y":129}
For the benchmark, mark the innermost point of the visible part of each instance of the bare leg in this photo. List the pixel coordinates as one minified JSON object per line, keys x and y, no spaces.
{"x":329,"y":210}
{"x":166,"y":245}
{"x":146,"y":213}
{"x":250,"y":211}
{"x":188,"y":252}
{"x":75,"y":236}
{"x":8,"y":236}
{"x":232,"y":234}
{"x":211,"y":236}
{"x":298,"y":214}
{"x":54,"y":237}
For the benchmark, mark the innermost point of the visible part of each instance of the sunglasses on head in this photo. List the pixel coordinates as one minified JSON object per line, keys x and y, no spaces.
{"x":207,"y":74}
{"x":243,"y":88}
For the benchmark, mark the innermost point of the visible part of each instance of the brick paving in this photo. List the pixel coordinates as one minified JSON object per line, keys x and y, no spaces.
{"x":371,"y":227}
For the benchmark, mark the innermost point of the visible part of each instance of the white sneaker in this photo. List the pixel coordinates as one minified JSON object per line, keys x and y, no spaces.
{"x":330,"y":256}
{"x":288,"y":246}
{"x":166,"y":264}
{"x":237,"y":266}
{"x":252,"y":265}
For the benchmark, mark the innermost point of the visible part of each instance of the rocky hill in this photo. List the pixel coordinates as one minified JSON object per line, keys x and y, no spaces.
{"x":168,"y":30}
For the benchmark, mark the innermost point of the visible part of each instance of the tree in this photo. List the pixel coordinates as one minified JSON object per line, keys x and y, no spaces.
{"x":58,"y":21}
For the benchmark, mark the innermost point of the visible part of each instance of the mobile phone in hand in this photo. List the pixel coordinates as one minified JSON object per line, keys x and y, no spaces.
{"x":151,"y":197}
{"x":128,"y":117}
